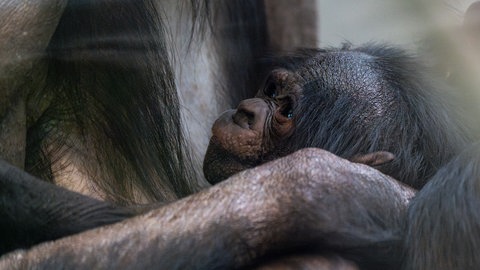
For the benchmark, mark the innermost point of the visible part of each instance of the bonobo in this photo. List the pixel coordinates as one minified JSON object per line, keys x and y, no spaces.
{"x":373,"y":100}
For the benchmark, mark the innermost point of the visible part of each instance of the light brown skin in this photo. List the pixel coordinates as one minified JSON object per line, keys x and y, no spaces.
{"x":248,"y":136}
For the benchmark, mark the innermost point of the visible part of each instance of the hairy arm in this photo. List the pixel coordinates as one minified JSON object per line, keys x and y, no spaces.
{"x":443,"y":221}
{"x":33,"y":211}
{"x":308,"y":199}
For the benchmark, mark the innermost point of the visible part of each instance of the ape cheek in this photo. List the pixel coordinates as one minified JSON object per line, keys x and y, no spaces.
{"x":283,"y":130}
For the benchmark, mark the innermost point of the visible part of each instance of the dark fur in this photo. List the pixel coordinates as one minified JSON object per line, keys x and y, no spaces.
{"x":443,"y":219}
{"x":109,"y":102}
{"x":114,"y":103}
{"x":34,"y":211}
{"x":242,"y":39}
{"x":408,"y":111}
{"x":421,"y":127}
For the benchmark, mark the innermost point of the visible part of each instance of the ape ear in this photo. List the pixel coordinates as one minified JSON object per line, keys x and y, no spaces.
{"x":373,"y":159}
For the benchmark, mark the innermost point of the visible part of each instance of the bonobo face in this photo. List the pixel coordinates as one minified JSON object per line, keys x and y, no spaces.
{"x":249,"y":135}
{"x":315,"y":95}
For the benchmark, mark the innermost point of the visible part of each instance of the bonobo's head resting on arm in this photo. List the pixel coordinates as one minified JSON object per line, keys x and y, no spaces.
{"x":349,"y":101}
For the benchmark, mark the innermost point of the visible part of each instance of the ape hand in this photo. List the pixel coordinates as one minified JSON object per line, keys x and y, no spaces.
{"x":316,"y":199}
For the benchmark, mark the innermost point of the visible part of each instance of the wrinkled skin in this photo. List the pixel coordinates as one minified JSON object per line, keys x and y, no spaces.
{"x":246,"y":137}
{"x":248,"y":217}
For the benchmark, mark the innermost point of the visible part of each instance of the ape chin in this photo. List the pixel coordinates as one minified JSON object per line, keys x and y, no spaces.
{"x":219,"y":164}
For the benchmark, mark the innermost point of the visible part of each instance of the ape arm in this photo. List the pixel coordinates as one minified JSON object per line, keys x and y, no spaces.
{"x":443,"y":221}
{"x":310,"y":199}
{"x":33,"y":211}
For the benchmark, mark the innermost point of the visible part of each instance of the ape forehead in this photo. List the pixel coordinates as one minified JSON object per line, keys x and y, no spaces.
{"x":344,"y":72}
{"x":348,"y":73}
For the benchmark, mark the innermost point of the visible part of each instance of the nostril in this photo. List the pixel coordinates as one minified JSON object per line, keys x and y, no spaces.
{"x":251,"y":113}
{"x":243,"y":118}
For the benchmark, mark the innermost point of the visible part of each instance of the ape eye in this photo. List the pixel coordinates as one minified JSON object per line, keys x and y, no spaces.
{"x":287,"y":111}
{"x":271,"y":89}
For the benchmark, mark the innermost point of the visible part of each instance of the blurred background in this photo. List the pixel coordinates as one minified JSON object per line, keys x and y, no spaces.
{"x":404,"y":23}
{"x":433,"y":28}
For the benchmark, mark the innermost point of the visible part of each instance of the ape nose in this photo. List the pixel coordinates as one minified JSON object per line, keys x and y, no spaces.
{"x":251,"y":113}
